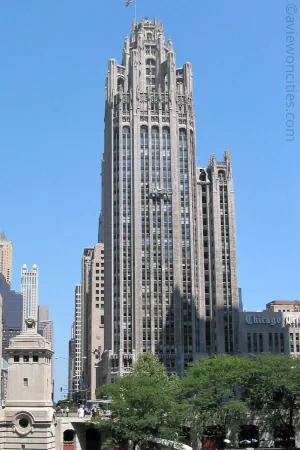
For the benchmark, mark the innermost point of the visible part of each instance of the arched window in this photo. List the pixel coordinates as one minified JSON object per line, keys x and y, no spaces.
{"x":126,"y":140}
{"x":120,"y":83}
{"x":69,"y":436}
{"x":155,"y":138}
{"x":202,"y":175}
{"x":150,"y":72}
{"x":144,"y":140}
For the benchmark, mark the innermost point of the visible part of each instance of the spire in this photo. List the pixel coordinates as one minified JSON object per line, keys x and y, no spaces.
{"x":2,"y":236}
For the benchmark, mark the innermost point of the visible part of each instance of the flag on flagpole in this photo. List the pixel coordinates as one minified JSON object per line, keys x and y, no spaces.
{"x":128,"y":2}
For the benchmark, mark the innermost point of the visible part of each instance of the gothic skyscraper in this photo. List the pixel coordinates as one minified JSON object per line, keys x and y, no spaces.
{"x":151,"y":224}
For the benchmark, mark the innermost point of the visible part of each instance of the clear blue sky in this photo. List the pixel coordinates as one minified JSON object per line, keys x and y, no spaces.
{"x":54,"y":58}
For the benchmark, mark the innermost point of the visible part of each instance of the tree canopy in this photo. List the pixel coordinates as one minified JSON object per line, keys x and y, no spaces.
{"x":273,"y":391}
{"x":146,"y":403}
{"x":212,"y":390}
{"x":217,"y":392}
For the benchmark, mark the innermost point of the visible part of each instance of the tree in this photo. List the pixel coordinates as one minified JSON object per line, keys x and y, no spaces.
{"x":273,"y":392}
{"x":212,"y":394}
{"x":145,"y":403}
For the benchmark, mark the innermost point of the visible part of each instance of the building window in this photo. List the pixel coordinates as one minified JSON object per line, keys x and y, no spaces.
{"x":25,"y":380}
{"x":276,"y":343}
{"x":102,"y":320}
{"x":292,"y":348}
{"x":261,"y":343}
{"x":150,"y":72}
{"x":16,"y":358}
{"x":281,"y":342}
{"x":255,"y":342}
{"x":25,"y":358}
{"x":297,"y":343}
{"x":35,"y":358}
{"x":249,"y":342}
{"x":97,"y":305}
{"x":270,"y":342}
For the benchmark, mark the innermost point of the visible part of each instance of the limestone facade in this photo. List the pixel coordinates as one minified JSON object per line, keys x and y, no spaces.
{"x":162,"y":250}
{"x":28,"y":420}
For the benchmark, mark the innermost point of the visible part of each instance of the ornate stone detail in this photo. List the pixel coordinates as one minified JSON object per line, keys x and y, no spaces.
{"x":23,"y":423}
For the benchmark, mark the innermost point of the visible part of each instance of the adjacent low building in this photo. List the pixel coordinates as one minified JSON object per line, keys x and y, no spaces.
{"x":269,"y":332}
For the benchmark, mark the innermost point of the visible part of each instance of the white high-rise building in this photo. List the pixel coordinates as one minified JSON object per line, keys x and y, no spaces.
{"x":78,"y":349}
{"x":29,"y":289}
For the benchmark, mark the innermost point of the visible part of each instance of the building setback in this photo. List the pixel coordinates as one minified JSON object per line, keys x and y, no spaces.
{"x":29,"y":289}
{"x":168,"y":227}
{"x":6,"y":250}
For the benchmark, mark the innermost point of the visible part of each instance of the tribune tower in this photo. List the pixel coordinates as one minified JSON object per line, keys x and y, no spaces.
{"x":149,"y":221}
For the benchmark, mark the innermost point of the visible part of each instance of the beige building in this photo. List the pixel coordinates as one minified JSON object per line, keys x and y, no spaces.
{"x":168,"y":227}
{"x":269,"y":332}
{"x":6,"y":251}
{"x":93,"y":313}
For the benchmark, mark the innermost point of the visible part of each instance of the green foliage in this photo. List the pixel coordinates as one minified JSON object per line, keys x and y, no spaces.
{"x":274,"y":390}
{"x":218,"y":393}
{"x":145,"y":402}
{"x":213,"y":395}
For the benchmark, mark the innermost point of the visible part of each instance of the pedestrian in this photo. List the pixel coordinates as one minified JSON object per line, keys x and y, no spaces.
{"x":80,"y":412}
{"x":62,"y":412}
{"x":67,"y":411}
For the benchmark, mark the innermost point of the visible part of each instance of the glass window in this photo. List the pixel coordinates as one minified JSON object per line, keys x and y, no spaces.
{"x":261,"y":343}
{"x":281,"y":342}
{"x":249,"y":342}
{"x":270,"y":342}
{"x":276,"y":342}
{"x":292,"y":347}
